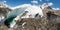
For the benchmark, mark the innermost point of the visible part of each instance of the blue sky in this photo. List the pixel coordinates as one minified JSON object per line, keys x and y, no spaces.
{"x":13,"y":3}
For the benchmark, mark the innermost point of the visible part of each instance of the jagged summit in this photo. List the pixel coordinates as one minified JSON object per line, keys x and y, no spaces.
{"x":46,"y":6}
{"x":3,"y":5}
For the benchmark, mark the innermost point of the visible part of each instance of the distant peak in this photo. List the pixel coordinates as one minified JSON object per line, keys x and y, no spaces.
{"x":46,"y":6}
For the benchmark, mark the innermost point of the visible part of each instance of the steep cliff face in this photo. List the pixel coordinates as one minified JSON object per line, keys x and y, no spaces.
{"x":4,"y":10}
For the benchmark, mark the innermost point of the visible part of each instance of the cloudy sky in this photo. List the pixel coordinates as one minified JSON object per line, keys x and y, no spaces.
{"x":56,"y":3}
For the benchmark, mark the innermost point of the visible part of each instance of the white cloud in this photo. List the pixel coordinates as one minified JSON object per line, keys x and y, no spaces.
{"x":5,"y":1}
{"x":56,"y":8}
{"x":50,"y":4}
{"x":34,"y":2}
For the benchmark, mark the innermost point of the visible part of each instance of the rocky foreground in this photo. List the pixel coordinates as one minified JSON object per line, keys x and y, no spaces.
{"x":34,"y":24}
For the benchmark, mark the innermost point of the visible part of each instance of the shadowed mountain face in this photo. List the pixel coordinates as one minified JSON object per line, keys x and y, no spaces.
{"x":57,"y":12}
{"x":52,"y":16}
{"x":12,"y":15}
{"x":3,"y":14}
